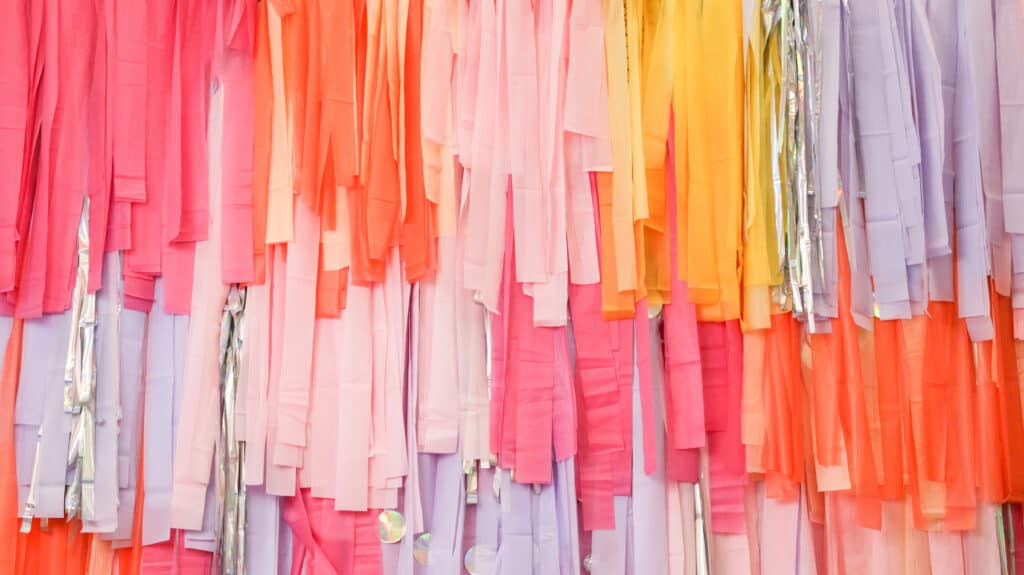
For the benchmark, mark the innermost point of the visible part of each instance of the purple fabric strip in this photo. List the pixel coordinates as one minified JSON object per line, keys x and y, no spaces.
{"x":108,"y":354}
{"x":132,"y":337}
{"x":205,"y":539}
{"x":515,"y":547}
{"x":164,"y":362}
{"x":546,"y":543}
{"x":609,"y":553}
{"x":427,"y":466}
{"x":941,"y":284}
{"x":284,"y":542}
{"x":862,"y":302}
{"x":567,"y":517}
{"x":880,"y":130}
{"x":827,"y":142}
{"x":448,"y":509}
{"x":978,"y":18}
{"x":1009,"y":46}
{"x":265,"y":541}
{"x":487,"y":520}
{"x":927,"y":78}
{"x":40,"y":406}
{"x":962,"y":173}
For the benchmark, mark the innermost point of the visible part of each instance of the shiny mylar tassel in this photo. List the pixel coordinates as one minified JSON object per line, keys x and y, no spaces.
{"x":30,"y":502}
{"x":80,"y":497}
{"x":805,"y":264}
{"x":230,"y":451}
{"x":1011,"y":540}
{"x":770,"y":106}
{"x":471,"y":471}
{"x":1001,"y":536}
{"x":703,"y":554}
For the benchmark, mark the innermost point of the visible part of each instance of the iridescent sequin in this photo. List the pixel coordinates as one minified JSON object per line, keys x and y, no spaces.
{"x":392,"y":526}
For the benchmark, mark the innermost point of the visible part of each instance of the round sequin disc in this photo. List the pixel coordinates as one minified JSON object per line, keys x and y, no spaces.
{"x":477,"y":556}
{"x":421,"y":548}
{"x":392,"y":526}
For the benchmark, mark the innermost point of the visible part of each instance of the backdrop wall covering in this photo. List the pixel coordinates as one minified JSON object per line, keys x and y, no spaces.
{"x":404,"y":287}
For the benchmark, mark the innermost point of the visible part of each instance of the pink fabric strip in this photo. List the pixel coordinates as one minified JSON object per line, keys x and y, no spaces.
{"x":982,"y":544}
{"x":580,"y":218}
{"x":551,"y":295}
{"x":355,"y":385}
{"x":389,"y":462}
{"x":196,"y":33}
{"x":473,"y":381}
{"x":130,"y":102}
{"x":320,"y":461}
{"x":469,"y":26}
{"x":588,"y":141}
{"x":600,"y":347}
{"x":438,"y":62}
{"x":278,"y":479}
{"x":302,"y":519}
{"x":684,"y":389}
{"x":178,"y":271}
{"x":726,"y":552}
{"x":331,"y":542}
{"x":293,"y":391}
{"x":101,"y":140}
{"x":499,"y":358}
{"x":378,"y":455}
{"x":784,"y":536}
{"x":173,"y":558}
{"x":721,"y":362}
{"x":144,"y":247}
{"x":529,"y":193}
{"x":649,"y":521}
{"x":49,"y":258}
{"x":946,"y":552}
{"x":604,"y":368}
{"x":530,"y":373}
{"x":680,"y":529}
{"x":14,"y":123}
{"x":730,"y":554}
{"x":77,"y":20}
{"x":438,"y":417}
{"x":255,"y":372}
{"x":488,"y":182}
{"x":237,"y":24}
{"x":42,"y":99}
{"x":398,"y":557}
{"x":642,"y":355}
{"x":564,"y":400}
{"x":200,"y":424}
{"x":185,"y":214}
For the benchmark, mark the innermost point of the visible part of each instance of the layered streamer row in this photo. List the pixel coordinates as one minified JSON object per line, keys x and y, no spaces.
{"x":355,"y":287}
